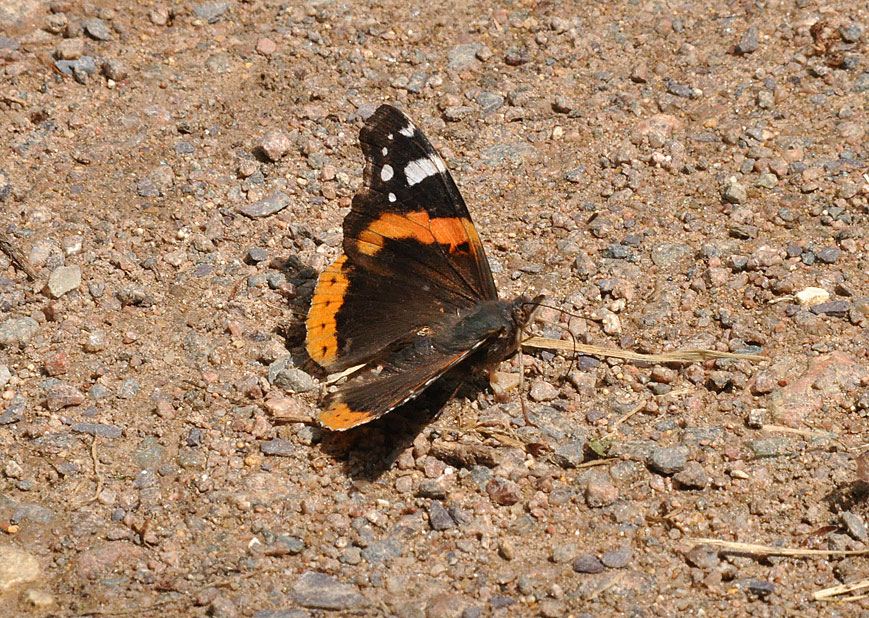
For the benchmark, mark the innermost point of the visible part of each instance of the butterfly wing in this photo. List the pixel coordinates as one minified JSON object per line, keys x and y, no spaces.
{"x":411,"y":252}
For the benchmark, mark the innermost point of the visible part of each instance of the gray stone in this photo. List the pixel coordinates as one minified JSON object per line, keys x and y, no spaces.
{"x":211,"y":11}
{"x":854,"y":525}
{"x":668,"y":254}
{"x":294,"y":381}
{"x":98,"y":29}
{"x":734,"y":193}
{"x":72,"y":68}
{"x":668,"y":460}
{"x":570,"y":455}
{"x":462,"y":57}
{"x":17,"y":331}
{"x":278,"y":447}
{"x":439,"y":517}
{"x":275,"y":202}
{"x":769,"y":447}
{"x":617,"y":558}
{"x":128,"y":389}
{"x":587,"y":563}
{"x":748,"y":43}
{"x":98,"y":429}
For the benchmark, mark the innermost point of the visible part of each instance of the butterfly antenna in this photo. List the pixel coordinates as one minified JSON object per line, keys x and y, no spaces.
{"x":562,"y":327}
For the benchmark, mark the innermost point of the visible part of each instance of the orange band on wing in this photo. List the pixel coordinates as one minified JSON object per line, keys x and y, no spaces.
{"x":339,"y":417}
{"x":322,"y":340}
{"x":449,"y":231}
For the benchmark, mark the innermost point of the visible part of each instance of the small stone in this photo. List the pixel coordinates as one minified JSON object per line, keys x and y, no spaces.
{"x":115,"y":69}
{"x":569,"y":455}
{"x":97,"y":29}
{"x":506,"y":549}
{"x":769,"y":447}
{"x":735,"y":193}
{"x":275,"y":145}
{"x":17,"y":567}
{"x":128,"y":389}
{"x":5,"y":375}
{"x":516,"y":57}
{"x":64,"y":279}
{"x":808,"y":297}
{"x":617,"y":558}
{"x":69,"y":49}
{"x":542,"y":390}
{"x":563,"y":553}
{"x":600,"y":491}
{"x":668,"y":460}
{"x":270,"y":205}
{"x":837,"y":308}
{"x":61,"y":395}
{"x":764,"y":382}
{"x":294,"y":381}
{"x":830,"y":255}
{"x":211,"y":11}
{"x":439,"y":517}
{"x":692,"y":477}
{"x":321,"y":591}
{"x":748,"y":43}
{"x":703,"y":557}
{"x":503,"y":492}
{"x":109,"y":432}
{"x":278,"y":447}
{"x":854,"y":526}
{"x":587,"y":563}
{"x":462,"y":57}
{"x":266,"y":46}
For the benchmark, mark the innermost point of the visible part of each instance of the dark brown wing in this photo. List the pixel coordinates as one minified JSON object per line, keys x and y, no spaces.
{"x":411,"y":253}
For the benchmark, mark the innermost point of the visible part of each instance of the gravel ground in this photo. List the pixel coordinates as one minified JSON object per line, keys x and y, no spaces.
{"x":673,"y":176}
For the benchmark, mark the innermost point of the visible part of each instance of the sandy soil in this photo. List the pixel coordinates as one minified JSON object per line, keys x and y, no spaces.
{"x":673,"y":175}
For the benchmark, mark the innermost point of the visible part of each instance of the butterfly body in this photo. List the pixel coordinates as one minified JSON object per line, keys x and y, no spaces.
{"x":412,"y":295}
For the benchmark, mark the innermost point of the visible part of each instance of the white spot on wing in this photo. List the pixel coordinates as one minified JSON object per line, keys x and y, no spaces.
{"x":408,"y":130}
{"x":385,"y":151}
{"x":389,"y":137}
{"x":439,"y":163}
{"x":391,"y":197}
{"x":386,"y":173}
{"x":419,"y":170}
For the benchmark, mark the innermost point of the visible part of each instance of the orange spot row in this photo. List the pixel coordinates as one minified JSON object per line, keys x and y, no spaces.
{"x":339,"y":417}
{"x":450,"y":231}
{"x":322,"y":339}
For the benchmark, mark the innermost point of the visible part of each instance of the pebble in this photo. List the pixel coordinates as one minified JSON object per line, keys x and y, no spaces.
{"x":84,"y":65}
{"x":294,"y":381}
{"x":266,"y":46}
{"x":748,"y":43}
{"x":703,"y":557}
{"x":769,"y":447}
{"x":17,"y":332}
{"x":5,"y":375}
{"x":830,"y":255}
{"x":128,"y":389}
{"x":667,"y":255}
{"x":97,"y":29}
{"x":668,"y":460}
{"x":439,"y":517}
{"x":115,"y":69}
{"x":617,"y":558}
{"x":600,"y":491}
{"x":17,"y":567}
{"x":278,"y":447}
{"x":59,"y":395}
{"x":98,"y":429}
{"x":541,"y":390}
{"x":735,"y":193}
{"x":587,"y":563}
{"x":808,"y":297}
{"x":275,"y":145}
{"x":563,"y":553}
{"x":569,"y":455}
{"x":463,"y":57}
{"x":211,"y":11}
{"x":837,"y":308}
{"x":503,"y":492}
{"x":265,"y":207}
{"x":854,"y":526}
{"x":693,"y":476}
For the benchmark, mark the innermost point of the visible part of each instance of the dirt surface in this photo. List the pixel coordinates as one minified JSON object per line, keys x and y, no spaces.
{"x":684,"y":175}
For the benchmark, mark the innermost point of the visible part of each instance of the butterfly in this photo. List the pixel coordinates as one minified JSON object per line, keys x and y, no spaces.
{"x":412,"y":294}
